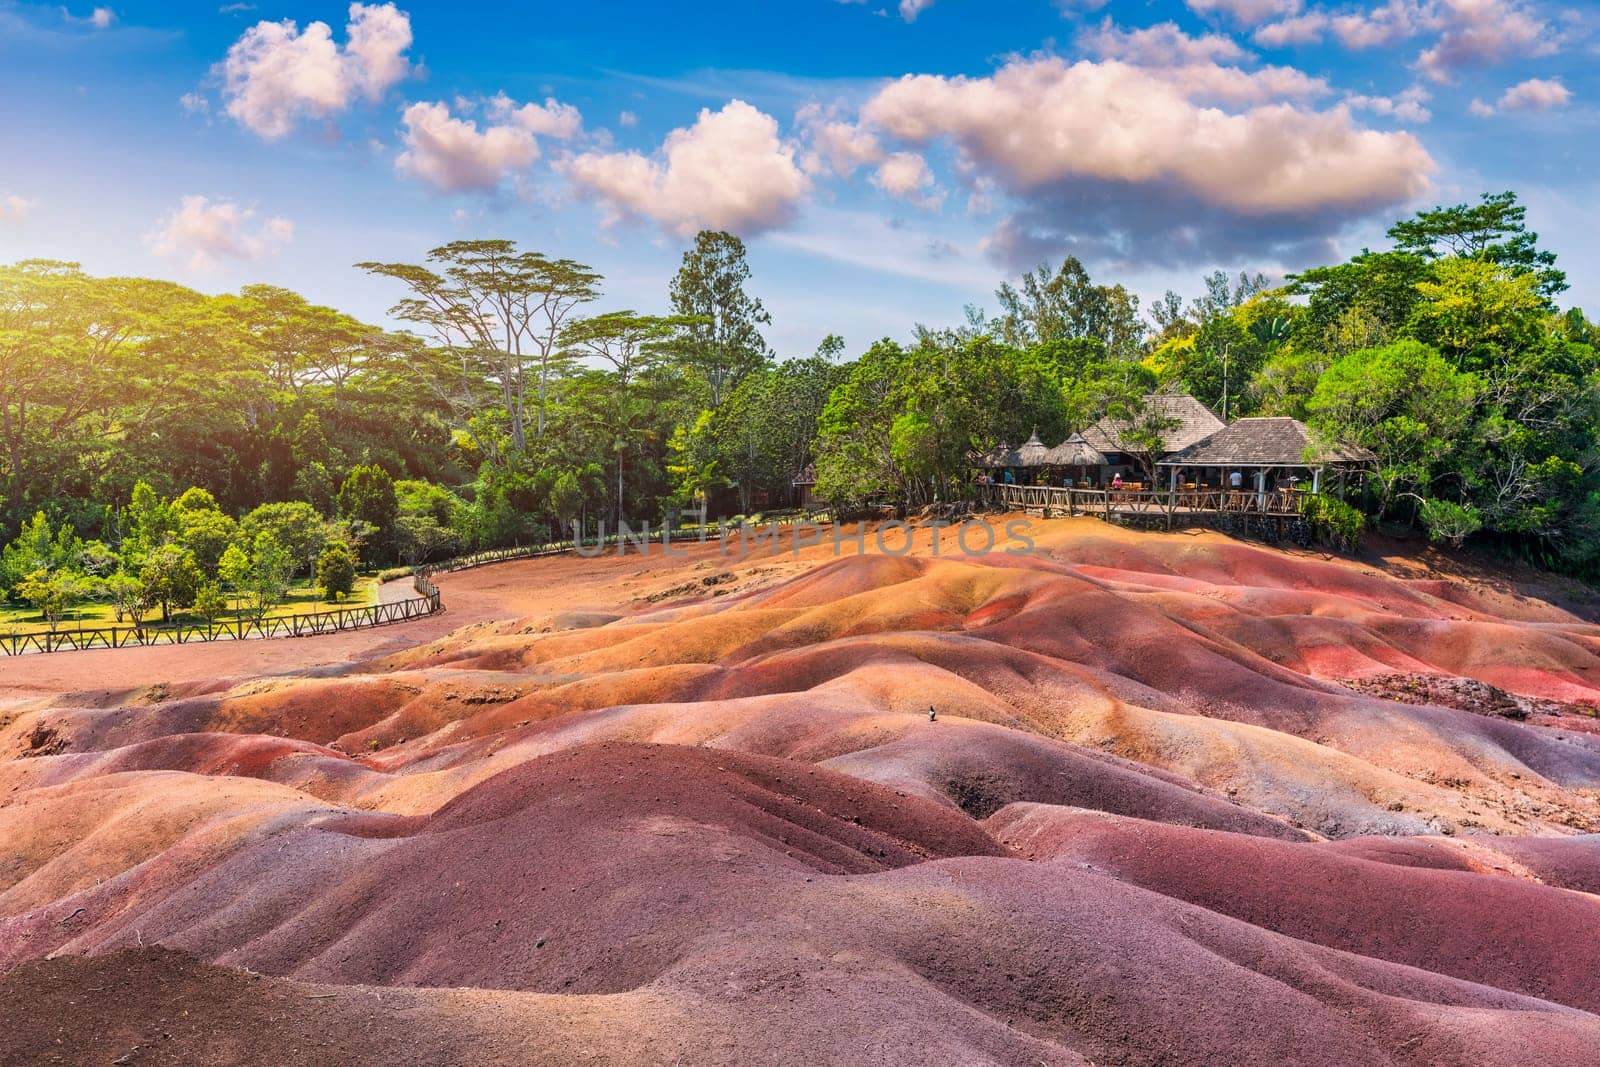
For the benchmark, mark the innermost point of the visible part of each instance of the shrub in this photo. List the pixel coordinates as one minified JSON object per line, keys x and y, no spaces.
{"x":1449,"y":523}
{"x":336,"y":571}
{"x":1335,"y":523}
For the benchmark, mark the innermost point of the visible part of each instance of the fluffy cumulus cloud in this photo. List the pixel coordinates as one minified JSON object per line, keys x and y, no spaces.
{"x":1535,"y":94}
{"x":203,"y":232}
{"x":1207,"y":67}
{"x":906,"y":176}
{"x":454,"y":153}
{"x":14,"y":208}
{"x":277,"y":74}
{"x":910,"y":9}
{"x":1116,"y":160}
{"x":1481,"y":33}
{"x":731,"y":170}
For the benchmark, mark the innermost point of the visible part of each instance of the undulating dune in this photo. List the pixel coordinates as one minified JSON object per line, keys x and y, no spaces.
{"x":1184,"y":800}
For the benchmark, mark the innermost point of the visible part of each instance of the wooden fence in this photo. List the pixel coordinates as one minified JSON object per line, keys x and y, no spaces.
{"x":1275,"y":514}
{"x":425,"y":603}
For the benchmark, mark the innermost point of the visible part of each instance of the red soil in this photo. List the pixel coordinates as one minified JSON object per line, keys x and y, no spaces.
{"x":628,"y":815}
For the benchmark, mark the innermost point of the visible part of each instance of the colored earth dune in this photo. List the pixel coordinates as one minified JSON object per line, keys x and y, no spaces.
{"x":1186,"y":801}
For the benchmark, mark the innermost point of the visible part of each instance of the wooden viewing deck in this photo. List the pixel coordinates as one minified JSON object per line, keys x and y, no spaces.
{"x":1275,"y":512}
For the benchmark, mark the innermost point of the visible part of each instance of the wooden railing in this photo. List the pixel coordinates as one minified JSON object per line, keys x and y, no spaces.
{"x":1107,"y":503}
{"x":426,"y":602}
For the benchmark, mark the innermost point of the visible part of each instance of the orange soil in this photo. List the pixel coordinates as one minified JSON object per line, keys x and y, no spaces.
{"x":692,"y":807}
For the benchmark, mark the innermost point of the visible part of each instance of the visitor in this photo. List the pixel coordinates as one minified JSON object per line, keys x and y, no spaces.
{"x":1116,"y":483}
{"x":1235,"y":480}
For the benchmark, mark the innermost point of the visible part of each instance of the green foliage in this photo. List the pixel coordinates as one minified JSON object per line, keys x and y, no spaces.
{"x":54,"y":593}
{"x":209,"y":602}
{"x":1404,"y":402}
{"x":723,"y":342}
{"x":1449,"y":523}
{"x":1491,"y":231}
{"x":368,"y":496}
{"x":271,"y":569}
{"x":170,"y":578}
{"x":336,"y":571}
{"x":208,"y":533}
{"x":294,"y":526}
{"x":1335,"y":523}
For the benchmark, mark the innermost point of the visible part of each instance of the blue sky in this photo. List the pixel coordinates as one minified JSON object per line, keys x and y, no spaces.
{"x":887,"y":163}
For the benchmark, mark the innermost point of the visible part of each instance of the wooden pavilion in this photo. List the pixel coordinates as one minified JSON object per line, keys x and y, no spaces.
{"x":1268,"y":454}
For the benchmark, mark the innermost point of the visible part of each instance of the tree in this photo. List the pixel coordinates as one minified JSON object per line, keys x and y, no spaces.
{"x":501,"y":313}
{"x":294,"y":525}
{"x":207,"y":533}
{"x":234,"y":569}
{"x":723,"y":341}
{"x":1403,"y":401}
{"x":1450,"y":523}
{"x":631,"y":345}
{"x":1065,"y":305}
{"x":368,"y":496}
{"x":53,"y":593}
{"x":170,"y":578}
{"x":336,"y":571}
{"x":1494,"y":230}
{"x":271,"y":566}
{"x":209,"y":602}
{"x":126,"y":594}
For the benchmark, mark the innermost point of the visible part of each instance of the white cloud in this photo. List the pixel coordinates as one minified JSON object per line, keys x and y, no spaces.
{"x":906,"y":176}
{"x":1535,"y":94}
{"x":1410,"y":105}
{"x":454,"y":155}
{"x":1481,"y":33}
{"x":14,"y":208}
{"x":910,"y":9}
{"x":1124,"y":158}
{"x":208,"y":231}
{"x":1246,"y":12}
{"x":276,"y":74}
{"x":1396,"y":20}
{"x":99,"y":18}
{"x":1299,"y":29}
{"x":627,"y":120}
{"x":835,"y":145}
{"x":1159,"y":45}
{"x":1196,"y":65}
{"x":194,"y":104}
{"x":728,"y":171}
{"x":549,"y":119}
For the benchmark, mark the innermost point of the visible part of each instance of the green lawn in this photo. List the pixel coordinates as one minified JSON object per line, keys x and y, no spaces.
{"x":302,"y":600}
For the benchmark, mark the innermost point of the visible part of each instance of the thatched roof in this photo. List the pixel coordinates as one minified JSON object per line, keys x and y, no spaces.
{"x":1033,"y":453}
{"x":1194,"y":423}
{"x":995,"y":457}
{"x":1265,"y":442}
{"x":1075,"y":451}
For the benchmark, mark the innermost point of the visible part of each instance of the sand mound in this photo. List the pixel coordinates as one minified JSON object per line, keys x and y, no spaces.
{"x":648,"y":810}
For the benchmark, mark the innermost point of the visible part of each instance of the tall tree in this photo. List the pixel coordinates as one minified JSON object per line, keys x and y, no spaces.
{"x":501,"y":312}
{"x":631,"y":345}
{"x":723,"y":342}
{"x":1494,"y":230}
{"x":1064,"y":305}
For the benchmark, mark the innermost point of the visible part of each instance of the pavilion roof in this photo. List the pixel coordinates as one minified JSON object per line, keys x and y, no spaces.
{"x":1266,"y":442}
